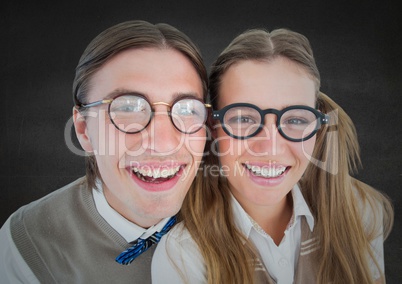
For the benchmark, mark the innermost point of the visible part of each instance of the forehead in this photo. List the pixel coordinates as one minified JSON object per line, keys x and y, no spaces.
{"x":158,"y":74}
{"x":268,"y":84}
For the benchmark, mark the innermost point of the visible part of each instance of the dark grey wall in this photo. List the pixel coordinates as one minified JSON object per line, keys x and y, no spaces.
{"x":357,"y":47}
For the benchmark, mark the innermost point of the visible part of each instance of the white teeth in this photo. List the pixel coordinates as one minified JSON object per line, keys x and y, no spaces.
{"x":156,"y":172}
{"x":267,"y":171}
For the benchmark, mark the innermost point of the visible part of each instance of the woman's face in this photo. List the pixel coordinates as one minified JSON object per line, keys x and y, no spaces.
{"x":263,"y":169}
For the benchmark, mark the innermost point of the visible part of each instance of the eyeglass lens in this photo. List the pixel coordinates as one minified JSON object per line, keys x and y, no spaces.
{"x":246,"y":121}
{"x":132,"y":114}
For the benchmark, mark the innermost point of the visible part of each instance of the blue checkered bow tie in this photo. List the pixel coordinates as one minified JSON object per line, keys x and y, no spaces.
{"x":141,"y":245}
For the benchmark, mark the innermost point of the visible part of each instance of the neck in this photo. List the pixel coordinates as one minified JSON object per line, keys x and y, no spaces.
{"x":274,"y":219}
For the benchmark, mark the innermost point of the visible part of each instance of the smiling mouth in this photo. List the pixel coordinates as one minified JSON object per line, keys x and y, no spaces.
{"x":156,"y":174}
{"x":266,"y":171}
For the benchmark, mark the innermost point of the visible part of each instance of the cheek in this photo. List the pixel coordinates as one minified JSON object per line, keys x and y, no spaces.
{"x":100,"y":131}
{"x":132,"y":145}
{"x":224,"y":144}
{"x":93,"y":133}
{"x":111,"y":145}
{"x":309,"y":145}
{"x":304,"y":150}
{"x":228,"y":150}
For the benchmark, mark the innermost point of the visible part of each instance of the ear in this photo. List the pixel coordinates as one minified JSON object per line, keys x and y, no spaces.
{"x":81,"y":131}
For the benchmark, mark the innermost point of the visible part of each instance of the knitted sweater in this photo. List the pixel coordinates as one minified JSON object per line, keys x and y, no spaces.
{"x":63,"y":239}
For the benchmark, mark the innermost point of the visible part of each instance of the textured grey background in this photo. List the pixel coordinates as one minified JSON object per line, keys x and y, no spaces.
{"x":357,"y":46}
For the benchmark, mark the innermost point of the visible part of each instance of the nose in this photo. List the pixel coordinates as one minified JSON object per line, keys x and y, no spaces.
{"x":163,"y":137}
{"x":268,"y":141}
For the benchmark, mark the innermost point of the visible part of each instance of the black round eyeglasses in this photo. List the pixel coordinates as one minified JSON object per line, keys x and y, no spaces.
{"x":295,"y":123}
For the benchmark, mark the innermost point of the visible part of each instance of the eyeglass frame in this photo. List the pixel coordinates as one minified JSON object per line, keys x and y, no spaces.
{"x":322,"y":118}
{"x":109,"y":101}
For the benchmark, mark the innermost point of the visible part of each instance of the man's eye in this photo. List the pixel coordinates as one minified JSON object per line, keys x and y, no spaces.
{"x":125,"y":108}
{"x":186,"y":111}
{"x":186,"y":107}
{"x":130,"y":108}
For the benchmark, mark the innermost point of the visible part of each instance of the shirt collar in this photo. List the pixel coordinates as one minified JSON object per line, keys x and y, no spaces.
{"x":127,"y":229}
{"x":300,"y":208}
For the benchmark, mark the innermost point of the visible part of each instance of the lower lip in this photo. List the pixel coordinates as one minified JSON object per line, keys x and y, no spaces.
{"x":274,"y":181}
{"x":156,"y":187}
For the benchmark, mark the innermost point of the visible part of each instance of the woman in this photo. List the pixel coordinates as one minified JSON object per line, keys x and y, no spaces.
{"x":284,"y":207}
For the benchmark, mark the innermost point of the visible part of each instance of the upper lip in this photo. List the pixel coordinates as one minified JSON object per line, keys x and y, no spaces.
{"x":156,"y":164}
{"x":263,"y":164}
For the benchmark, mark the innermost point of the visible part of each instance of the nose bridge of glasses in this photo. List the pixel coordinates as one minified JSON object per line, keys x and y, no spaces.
{"x":268,"y":119}
{"x":161,"y":103}
{"x":268,"y":124}
{"x":169,"y":107}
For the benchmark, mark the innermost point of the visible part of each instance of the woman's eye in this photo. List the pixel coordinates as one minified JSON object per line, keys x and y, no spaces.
{"x":241,"y":120}
{"x":296,"y":121}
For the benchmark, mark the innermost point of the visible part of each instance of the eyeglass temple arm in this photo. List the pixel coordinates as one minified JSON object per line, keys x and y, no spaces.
{"x":101,"y":102}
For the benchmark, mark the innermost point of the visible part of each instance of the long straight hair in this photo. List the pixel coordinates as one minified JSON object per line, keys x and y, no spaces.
{"x":336,"y":200}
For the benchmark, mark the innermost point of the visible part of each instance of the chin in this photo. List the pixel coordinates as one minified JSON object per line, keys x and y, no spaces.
{"x":164,"y":210}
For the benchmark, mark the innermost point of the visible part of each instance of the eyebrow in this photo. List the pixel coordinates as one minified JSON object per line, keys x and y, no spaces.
{"x":117,"y":92}
{"x":301,"y":104}
{"x":176,"y":96}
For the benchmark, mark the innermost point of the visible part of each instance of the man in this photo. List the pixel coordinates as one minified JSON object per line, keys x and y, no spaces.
{"x":139,"y":114}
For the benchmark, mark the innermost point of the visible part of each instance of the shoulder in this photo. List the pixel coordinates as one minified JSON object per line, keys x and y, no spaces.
{"x":374,"y":209}
{"x":13,"y":268}
{"x":179,"y":233}
{"x":45,"y":205}
{"x":177,"y":257}
{"x":47,"y":217}
{"x":178,"y":240}
{"x":367,"y":201}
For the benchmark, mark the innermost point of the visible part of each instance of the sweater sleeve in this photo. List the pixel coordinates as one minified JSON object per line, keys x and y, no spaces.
{"x":13,"y":268}
{"x":377,"y":244}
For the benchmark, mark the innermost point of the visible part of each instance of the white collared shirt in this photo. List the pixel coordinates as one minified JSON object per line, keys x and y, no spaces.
{"x":280,"y":261}
{"x":178,"y":251}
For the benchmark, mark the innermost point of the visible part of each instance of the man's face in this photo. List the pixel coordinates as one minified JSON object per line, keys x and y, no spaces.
{"x":145,"y":175}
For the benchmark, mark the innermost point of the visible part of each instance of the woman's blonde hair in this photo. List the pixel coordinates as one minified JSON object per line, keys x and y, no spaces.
{"x":336,"y":200}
